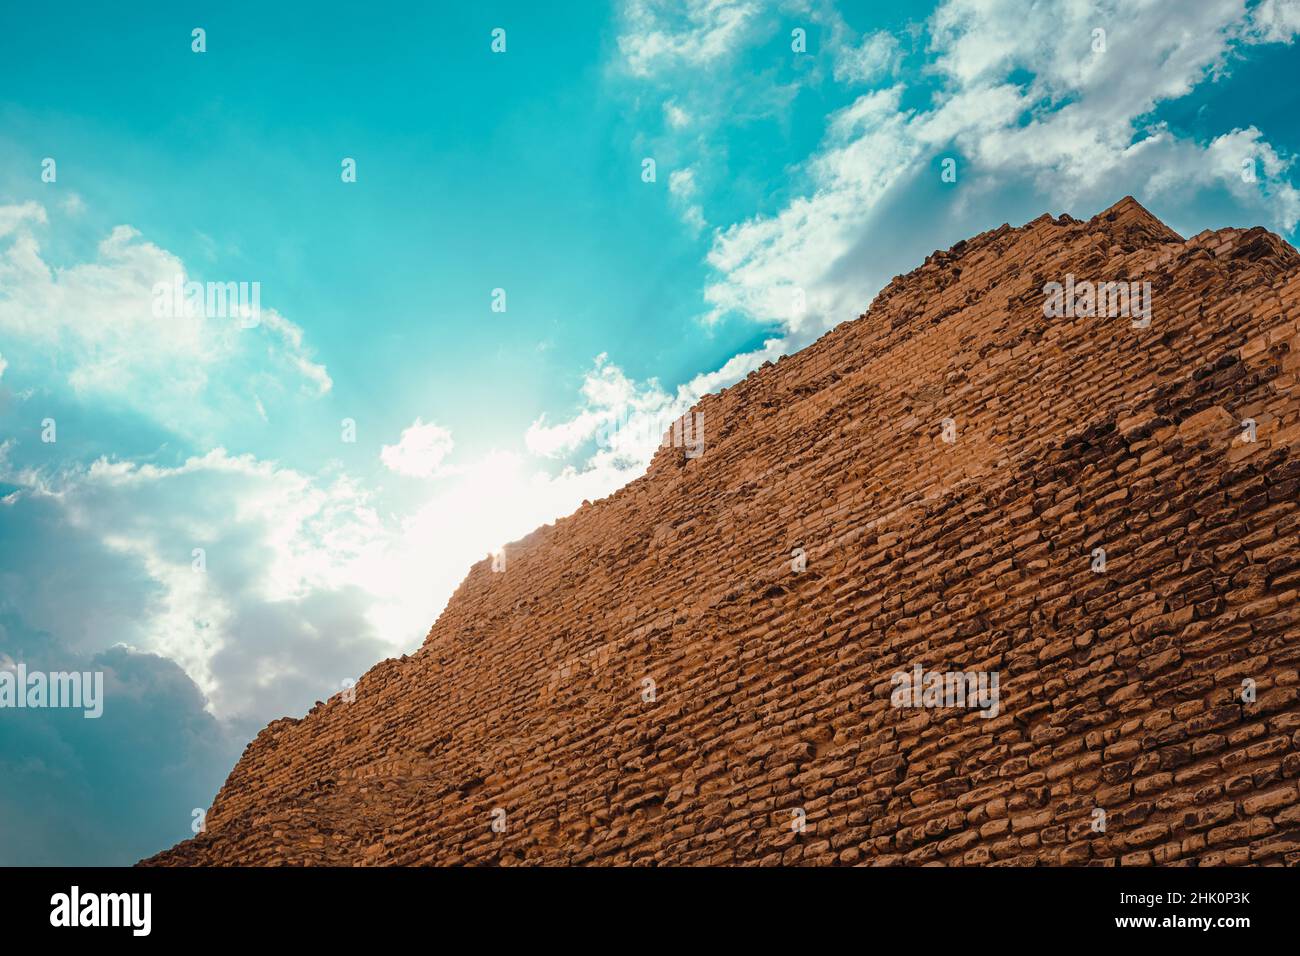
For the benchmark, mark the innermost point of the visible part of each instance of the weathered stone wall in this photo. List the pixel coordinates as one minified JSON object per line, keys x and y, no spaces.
{"x":1120,"y":691}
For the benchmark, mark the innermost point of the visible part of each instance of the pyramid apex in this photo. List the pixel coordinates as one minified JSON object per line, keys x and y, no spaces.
{"x":1129,"y":212}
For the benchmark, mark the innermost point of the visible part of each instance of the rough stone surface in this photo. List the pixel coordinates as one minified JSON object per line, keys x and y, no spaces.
{"x":1120,"y":691}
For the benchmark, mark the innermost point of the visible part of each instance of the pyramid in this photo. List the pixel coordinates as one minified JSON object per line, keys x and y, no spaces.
{"x":730,"y":660}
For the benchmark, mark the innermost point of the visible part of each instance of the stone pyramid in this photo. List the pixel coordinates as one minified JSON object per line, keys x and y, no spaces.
{"x":704,"y":667}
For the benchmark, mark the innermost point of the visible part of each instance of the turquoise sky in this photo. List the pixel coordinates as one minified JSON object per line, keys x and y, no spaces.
{"x":782,"y":162}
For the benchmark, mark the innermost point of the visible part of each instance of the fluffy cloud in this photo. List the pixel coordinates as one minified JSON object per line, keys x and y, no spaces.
{"x":1274,"y":21}
{"x":111,"y":790}
{"x":420,"y":451}
{"x":92,"y":324}
{"x":624,"y":419}
{"x":622,"y":422}
{"x":688,"y":51}
{"x":1101,"y":76}
{"x":682,"y":187}
{"x":659,"y":35}
{"x":676,"y":117}
{"x":1056,"y":98}
{"x":242,"y":572}
{"x":877,"y":55}
{"x":14,"y":217}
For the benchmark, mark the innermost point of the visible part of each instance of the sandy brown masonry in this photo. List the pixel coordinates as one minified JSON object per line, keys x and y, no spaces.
{"x":1121,"y":691}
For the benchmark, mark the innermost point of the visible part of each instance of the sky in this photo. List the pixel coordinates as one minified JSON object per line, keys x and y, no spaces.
{"x":496,"y":253}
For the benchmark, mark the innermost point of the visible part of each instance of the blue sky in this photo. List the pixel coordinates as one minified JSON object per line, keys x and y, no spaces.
{"x":775,"y":170}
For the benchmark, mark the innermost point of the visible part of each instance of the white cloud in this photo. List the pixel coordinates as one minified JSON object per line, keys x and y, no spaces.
{"x":659,"y":35}
{"x":3,"y":365}
{"x":627,"y":420}
{"x":611,"y":401}
{"x":93,"y":324}
{"x":878,"y":55}
{"x":552,"y":441}
{"x":15,"y":217}
{"x":1026,"y":101}
{"x":682,"y":49}
{"x":1275,"y":21}
{"x":420,"y":451}
{"x":683,"y":189}
{"x":681,"y":183}
{"x":676,"y":116}
{"x":275,"y":609}
{"x":782,"y":267}
{"x":623,"y":421}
